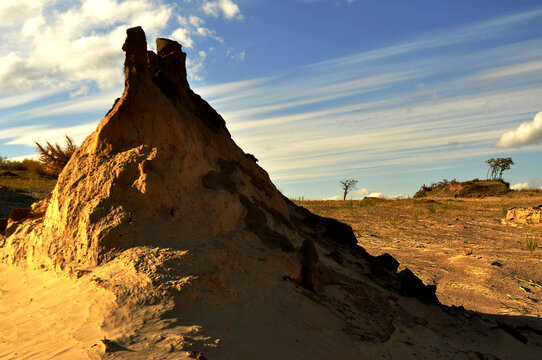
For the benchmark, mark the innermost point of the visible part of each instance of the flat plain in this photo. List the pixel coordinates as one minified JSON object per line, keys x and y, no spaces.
{"x":463,"y":246}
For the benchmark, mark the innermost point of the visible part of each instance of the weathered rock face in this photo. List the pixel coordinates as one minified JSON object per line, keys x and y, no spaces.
{"x":200,"y":250}
{"x":525,"y":215}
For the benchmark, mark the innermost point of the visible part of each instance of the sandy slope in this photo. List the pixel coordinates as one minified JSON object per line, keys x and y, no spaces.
{"x":44,"y":316}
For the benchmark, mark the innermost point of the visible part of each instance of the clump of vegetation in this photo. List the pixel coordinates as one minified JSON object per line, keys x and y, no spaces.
{"x":37,"y":175}
{"x":532,"y":244}
{"x":22,"y":165}
{"x":436,"y":185}
{"x":55,"y":157}
{"x":35,"y":166}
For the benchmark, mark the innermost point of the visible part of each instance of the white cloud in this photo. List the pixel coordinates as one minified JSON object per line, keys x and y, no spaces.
{"x":194,"y":64}
{"x":400,"y":196}
{"x":182,"y":35}
{"x":228,"y":8}
{"x":520,"y":186}
{"x":211,"y":8}
{"x":528,"y":133}
{"x":368,"y":193}
{"x":77,"y":41}
{"x":50,"y":43}
{"x":196,"y":21}
{"x":534,"y":183}
{"x":191,"y":27}
{"x":362,"y":193}
{"x":14,"y":12}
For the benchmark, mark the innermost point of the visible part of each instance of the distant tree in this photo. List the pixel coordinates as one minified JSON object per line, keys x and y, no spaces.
{"x":492,"y":168}
{"x":55,"y":157}
{"x":497,"y":167}
{"x":347,"y":185}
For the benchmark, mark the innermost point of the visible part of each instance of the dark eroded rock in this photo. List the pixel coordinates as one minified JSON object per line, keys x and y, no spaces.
{"x":19,"y":214}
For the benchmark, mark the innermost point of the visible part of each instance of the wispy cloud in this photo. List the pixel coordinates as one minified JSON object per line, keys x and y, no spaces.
{"x":361,"y":114}
{"x":27,"y":135}
{"x":12,"y":101}
{"x":79,"y":105}
{"x":464,"y":34}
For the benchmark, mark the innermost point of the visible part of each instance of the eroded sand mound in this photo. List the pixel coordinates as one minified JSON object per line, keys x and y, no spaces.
{"x":525,"y":215}
{"x":202,"y":254}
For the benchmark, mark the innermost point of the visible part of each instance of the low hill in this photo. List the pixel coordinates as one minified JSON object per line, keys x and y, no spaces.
{"x":466,"y":189}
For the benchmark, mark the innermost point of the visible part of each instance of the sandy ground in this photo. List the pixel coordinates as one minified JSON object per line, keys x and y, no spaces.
{"x":11,"y":198}
{"x":44,"y":316}
{"x":47,"y":316}
{"x":460,"y":245}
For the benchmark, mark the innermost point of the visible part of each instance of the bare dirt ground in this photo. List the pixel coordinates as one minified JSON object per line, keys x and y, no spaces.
{"x":460,"y":245}
{"x":19,"y":189}
{"x":13,"y":198}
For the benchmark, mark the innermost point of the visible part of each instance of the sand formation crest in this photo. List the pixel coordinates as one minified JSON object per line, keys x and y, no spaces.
{"x":162,"y":157}
{"x":161,"y":208}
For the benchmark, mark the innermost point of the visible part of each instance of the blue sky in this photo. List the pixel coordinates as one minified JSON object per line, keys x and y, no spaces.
{"x":392,"y":93}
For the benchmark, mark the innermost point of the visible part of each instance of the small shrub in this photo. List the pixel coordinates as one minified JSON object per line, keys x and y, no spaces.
{"x":532,"y":244}
{"x":432,"y":209}
{"x":55,"y":157}
{"x":436,"y":185}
